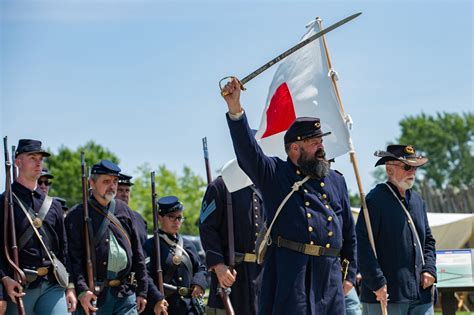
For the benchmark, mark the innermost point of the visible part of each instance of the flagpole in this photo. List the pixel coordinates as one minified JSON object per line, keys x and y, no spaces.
{"x":352,"y":155}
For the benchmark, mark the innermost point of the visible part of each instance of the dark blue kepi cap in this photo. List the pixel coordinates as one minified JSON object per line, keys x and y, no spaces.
{"x":125,"y":180}
{"x":304,"y":128}
{"x":46,"y":173}
{"x":169,"y":204}
{"x":106,"y":167}
{"x":30,"y":146}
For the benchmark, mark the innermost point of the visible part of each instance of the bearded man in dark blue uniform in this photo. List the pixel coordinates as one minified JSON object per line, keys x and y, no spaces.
{"x":247,"y":217}
{"x":405,"y":268}
{"x":315,"y":229}
{"x":184,"y":274}
{"x":116,"y":249}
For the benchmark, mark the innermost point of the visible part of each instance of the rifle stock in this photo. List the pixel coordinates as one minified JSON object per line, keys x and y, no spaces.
{"x":87,"y":228}
{"x":156,"y":237}
{"x":11,"y":250}
{"x":223,"y":293}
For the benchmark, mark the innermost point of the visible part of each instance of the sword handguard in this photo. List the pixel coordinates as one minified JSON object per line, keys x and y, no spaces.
{"x":229,"y":77}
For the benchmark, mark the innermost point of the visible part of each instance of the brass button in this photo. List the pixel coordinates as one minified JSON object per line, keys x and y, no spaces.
{"x":329,"y":218}
{"x":325,"y":196}
{"x":256,"y":234}
{"x":327,"y":206}
{"x":328,"y":245}
{"x":330,"y":233}
{"x":305,"y":190}
{"x":308,"y":215}
{"x":306,"y":203}
{"x":298,"y":172}
{"x":299,"y":138}
{"x":180,"y":279}
{"x":310,"y":229}
{"x":322,"y":184}
{"x":106,"y":240}
{"x":256,"y":224}
{"x":104,"y":263}
{"x":311,"y":243}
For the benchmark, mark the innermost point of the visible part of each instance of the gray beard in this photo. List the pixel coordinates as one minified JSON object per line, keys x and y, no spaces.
{"x":314,"y":167}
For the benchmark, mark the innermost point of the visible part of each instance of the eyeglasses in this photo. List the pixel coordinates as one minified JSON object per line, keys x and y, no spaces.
{"x":406,"y":167}
{"x":44,"y":182}
{"x":174,"y":219}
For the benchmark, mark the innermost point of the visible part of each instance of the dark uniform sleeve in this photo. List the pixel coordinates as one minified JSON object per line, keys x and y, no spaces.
{"x":368,"y":264}
{"x":430,"y":249}
{"x":349,"y":245}
{"x":250,"y":157}
{"x":75,"y":236}
{"x":154,"y":295}
{"x":138,"y":259}
{"x":199,"y":270}
{"x":211,"y":222}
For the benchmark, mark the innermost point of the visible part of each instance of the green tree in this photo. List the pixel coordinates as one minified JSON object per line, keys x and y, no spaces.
{"x":66,"y":168}
{"x":189,"y":188}
{"x":447,"y":139}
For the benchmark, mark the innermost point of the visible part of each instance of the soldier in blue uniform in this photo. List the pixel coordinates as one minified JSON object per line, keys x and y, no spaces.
{"x":116,"y":249}
{"x":405,"y":268}
{"x":247,"y":221}
{"x":44,"y":182}
{"x":183,"y":273}
{"x":43,"y":294}
{"x":315,"y":228}
{"x":123,"y":193}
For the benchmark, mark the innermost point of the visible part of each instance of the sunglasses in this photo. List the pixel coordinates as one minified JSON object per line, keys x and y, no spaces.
{"x":406,"y":167}
{"x":174,"y":219}
{"x":44,"y":182}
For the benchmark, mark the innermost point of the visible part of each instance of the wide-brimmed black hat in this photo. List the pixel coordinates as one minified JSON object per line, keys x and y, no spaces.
{"x":125,"y":180}
{"x":106,"y":167}
{"x":304,"y":128}
{"x":169,"y":204}
{"x":30,"y":146}
{"x":402,"y":153}
{"x":46,"y":173}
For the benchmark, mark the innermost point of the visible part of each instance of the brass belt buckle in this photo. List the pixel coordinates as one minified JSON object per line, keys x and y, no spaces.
{"x":183,"y":291}
{"x":312,"y":250}
{"x":250,"y":258}
{"x":114,"y":283}
{"x":42,"y":271}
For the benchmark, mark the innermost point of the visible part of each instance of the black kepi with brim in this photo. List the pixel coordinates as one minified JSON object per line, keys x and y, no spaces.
{"x":169,"y":204}
{"x":106,"y":167}
{"x":402,"y":153}
{"x":125,"y":180}
{"x":30,"y":146}
{"x":46,"y":173}
{"x":304,"y":128}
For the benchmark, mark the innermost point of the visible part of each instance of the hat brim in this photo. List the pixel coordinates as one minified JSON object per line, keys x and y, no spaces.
{"x":418,"y":161}
{"x":49,"y":176}
{"x":316,"y":135}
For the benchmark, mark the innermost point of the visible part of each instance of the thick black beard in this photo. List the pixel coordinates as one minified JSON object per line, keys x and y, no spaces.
{"x":316,"y":166}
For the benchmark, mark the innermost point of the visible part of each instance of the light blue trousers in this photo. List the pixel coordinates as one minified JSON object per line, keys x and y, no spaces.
{"x":412,"y":308}
{"x":352,"y":301}
{"x":46,"y":299}
{"x":113,"y":305}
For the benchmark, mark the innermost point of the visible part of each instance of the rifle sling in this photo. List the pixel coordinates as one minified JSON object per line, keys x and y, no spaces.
{"x":26,"y":236}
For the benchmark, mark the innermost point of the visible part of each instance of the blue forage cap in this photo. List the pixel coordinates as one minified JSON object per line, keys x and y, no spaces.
{"x":169,"y":204}
{"x":106,"y":167}
{"x":30,"y":146}
{"x":304,"y":128}
{"x":125,"y":180}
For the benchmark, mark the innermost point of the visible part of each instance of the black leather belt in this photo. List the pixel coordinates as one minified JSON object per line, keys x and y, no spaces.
{"x":307,"y":249}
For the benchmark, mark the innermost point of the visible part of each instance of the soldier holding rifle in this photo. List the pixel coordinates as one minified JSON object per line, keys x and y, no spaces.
{"x":184,"y":276}
{"x":117,"y":256}
{"x":40,"y":237}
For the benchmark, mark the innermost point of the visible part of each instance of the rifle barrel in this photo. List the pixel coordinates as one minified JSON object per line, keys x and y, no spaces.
{"x":156,"y":237}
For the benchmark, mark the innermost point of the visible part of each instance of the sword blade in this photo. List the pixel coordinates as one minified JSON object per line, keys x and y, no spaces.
{"x":297,"y":47}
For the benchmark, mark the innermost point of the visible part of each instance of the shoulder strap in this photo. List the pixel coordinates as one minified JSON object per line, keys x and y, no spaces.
{"x":113,"y":219}
{"x":410,"y":223}
{"x":296,"y":186}
{"x":26,"y":236}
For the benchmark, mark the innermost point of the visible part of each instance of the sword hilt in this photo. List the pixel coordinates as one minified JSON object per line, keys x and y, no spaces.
{"x":223,"y":93}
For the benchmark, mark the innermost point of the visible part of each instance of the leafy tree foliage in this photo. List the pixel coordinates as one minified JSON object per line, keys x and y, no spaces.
{"x":448,"y":141}
{"x":189,"y":188}
{"x":66,"y":168}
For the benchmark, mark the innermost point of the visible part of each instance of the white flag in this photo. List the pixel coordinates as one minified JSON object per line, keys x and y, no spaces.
{"x":302,"y":86}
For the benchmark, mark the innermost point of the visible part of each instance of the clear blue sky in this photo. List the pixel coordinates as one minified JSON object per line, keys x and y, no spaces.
{"x":140,"y":77}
